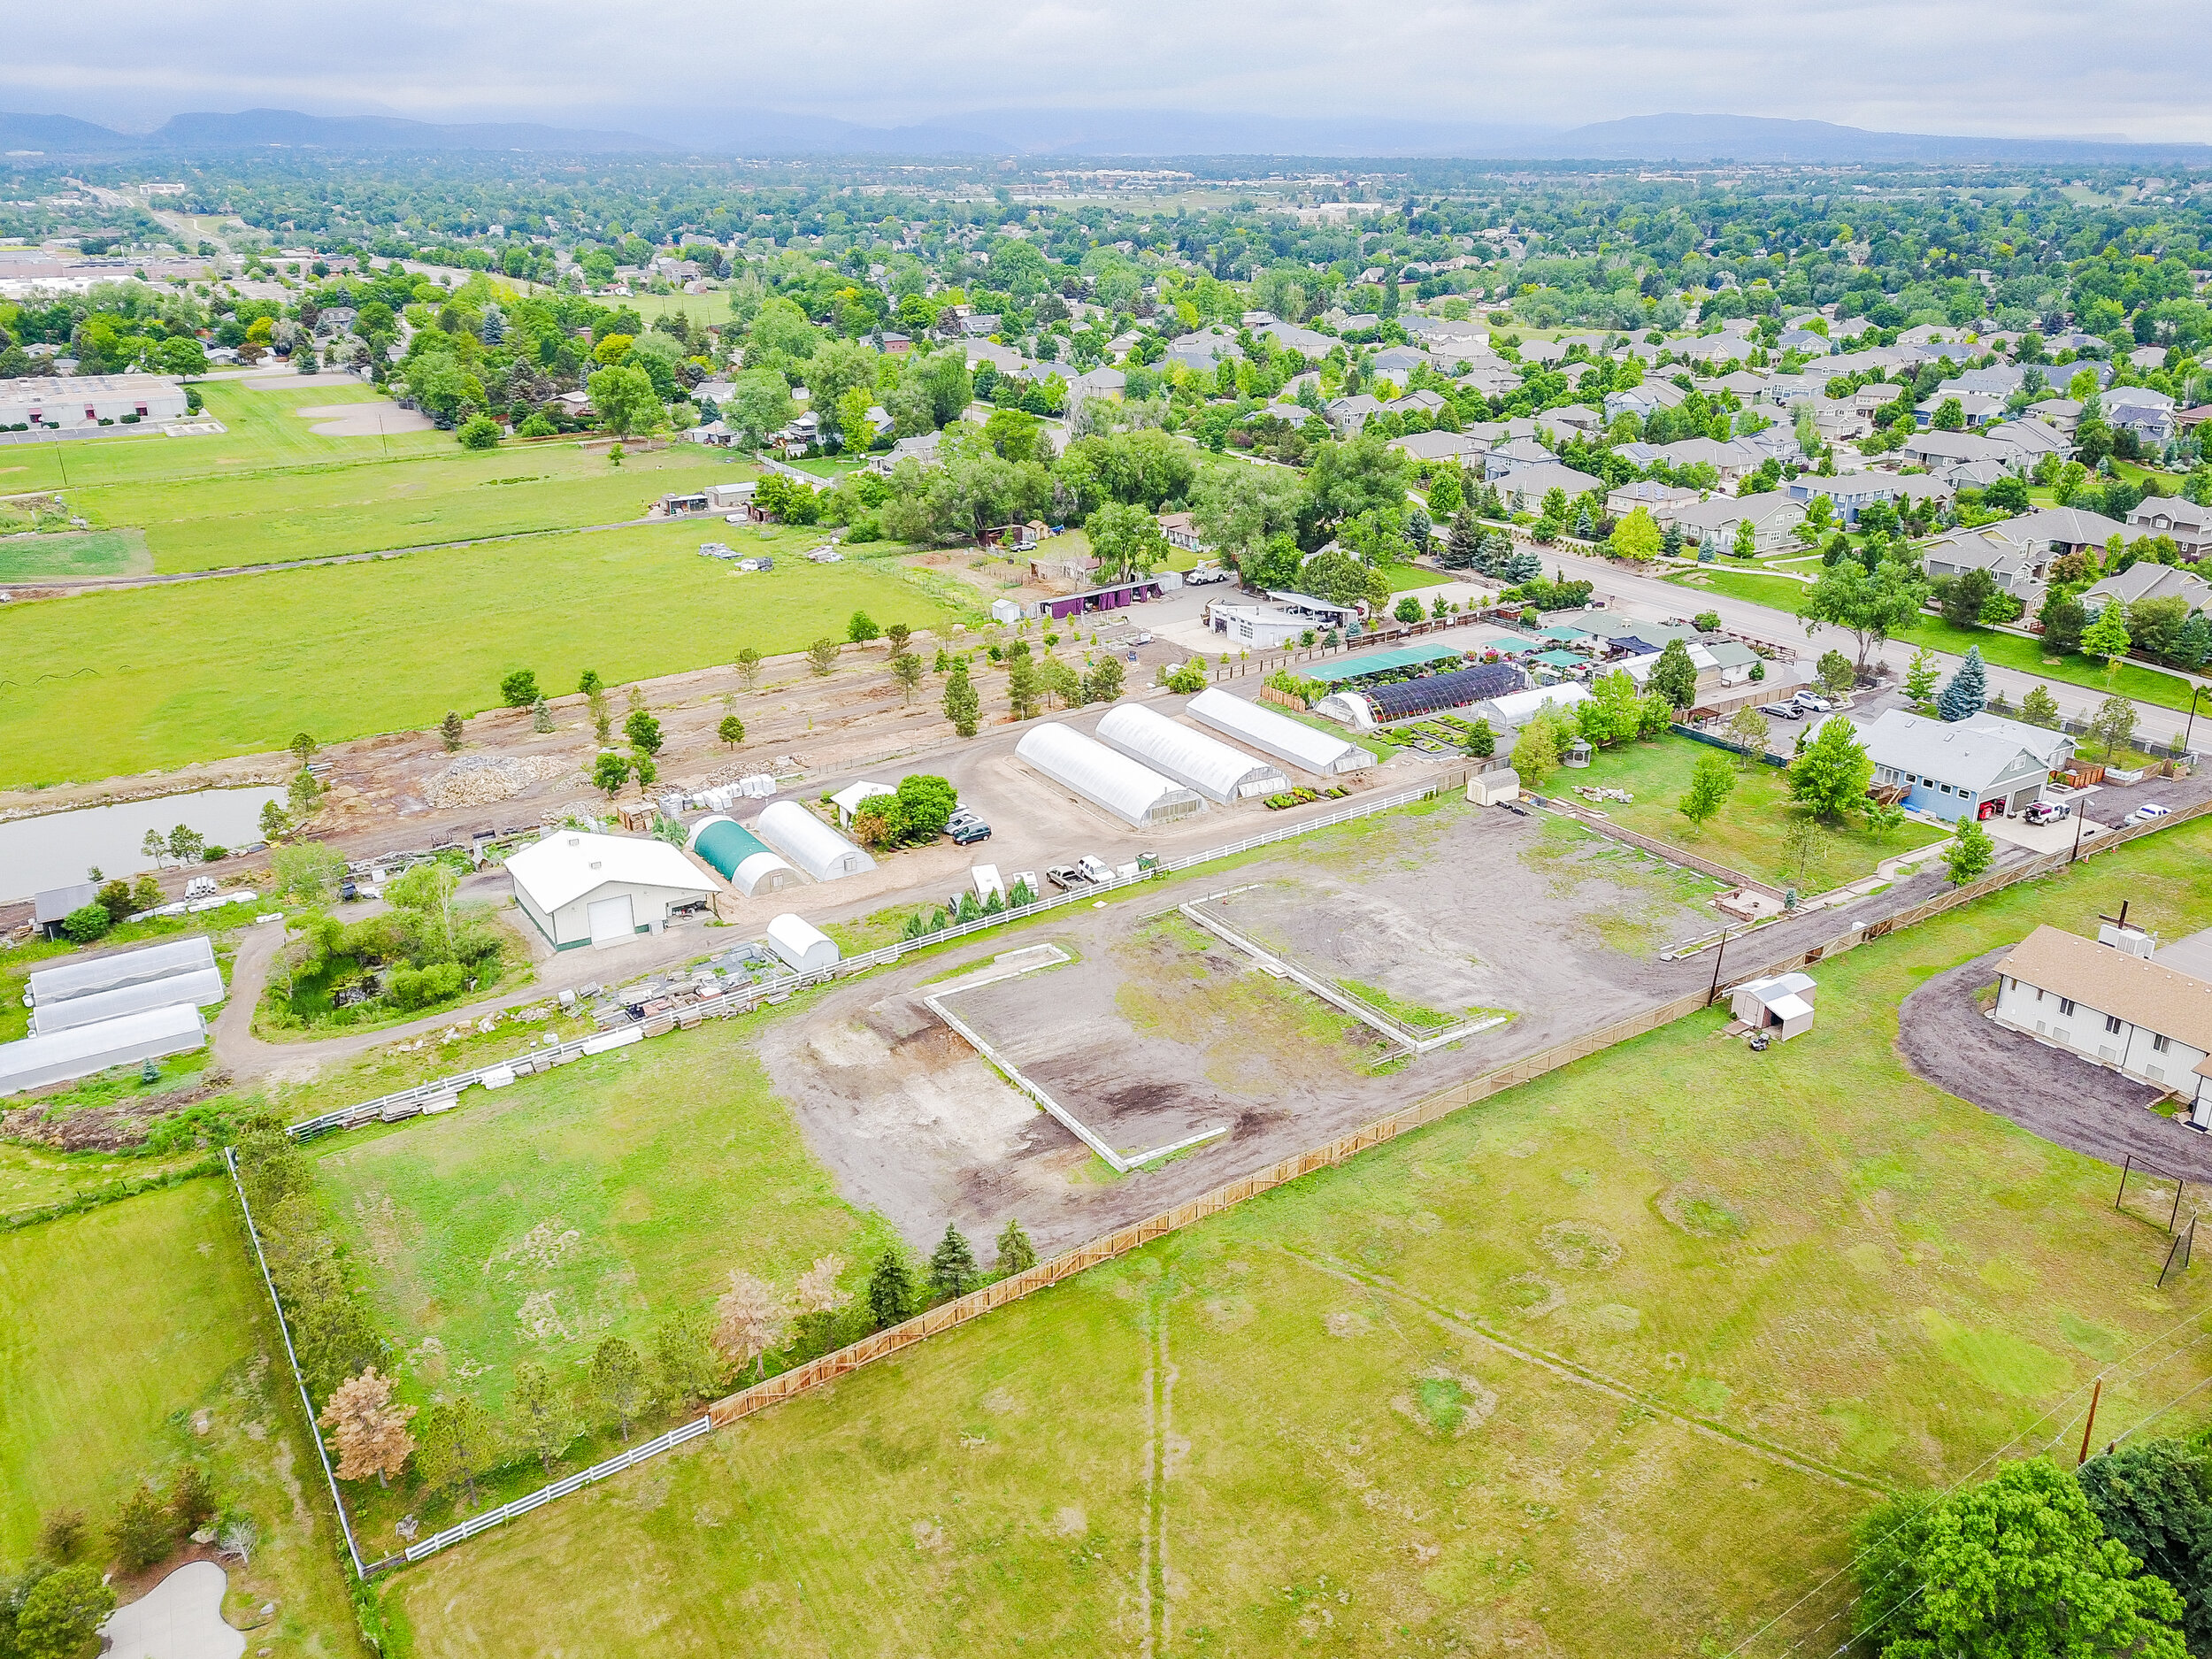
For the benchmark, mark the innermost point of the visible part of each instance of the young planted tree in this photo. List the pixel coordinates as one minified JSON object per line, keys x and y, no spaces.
{"x":450,"y":732}
{"x":371,"y":1430}
{"x":890,"y":1291}
{"x":644,"y":732}
{"x":541,"y":716}
{"x":1482,"y":742}
{"x":750,"y":1318}
{"x":187,"y":844}
{"x":156,"y":846}
{"x":952,"y":1269}
{"x":1921,"y":676}
{"x":1804,"y":843}
{"x":732,"y":731}
{"x":821,"y":656}
{"x":1835,"y":674}
{"x":143,"y":1531}
{"x":60,"y":1613}
{"x":818,"y":1299}
{"x":2114,"y":724}
{"x":1747,"y":730}
{"x":748,"y":668}
{"x":2107,"y":637}
{"x":2040,"y":708}
{"x":1104,"y":682}
{"x":1970,"y":853}
{"x":1674,"y":676}
{"x":906,"y":668}
{"x":686,"y":1366}
{"x":897,"y":637}
{"x":1711,"y":782}
{"x":544,"y":1420}
{"x":1016,"y":1253}
{"x":192,"y":1501}
{"x":304,"y":748}
{"x":861,"y":628}
{"x":616,"y":1382}
{"x":1024,"y":690}
{"x":964,"y":705}
{"x":519,"y":689}
{"x":454,"y":1444}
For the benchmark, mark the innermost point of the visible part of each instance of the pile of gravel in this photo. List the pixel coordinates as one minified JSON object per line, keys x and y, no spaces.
{"x":480,"y":780}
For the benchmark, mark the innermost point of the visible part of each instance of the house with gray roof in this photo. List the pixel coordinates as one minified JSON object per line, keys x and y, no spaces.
{"x":1507,"y":459}
{"x":2189,"y":525}
{"x":1982,"y":767}
{"x":2148,"y":579}
{"x":1523,"y":490}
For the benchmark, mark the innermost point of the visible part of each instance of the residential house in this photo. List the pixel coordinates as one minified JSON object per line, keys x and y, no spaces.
{"x":1772,"y":515}
{"x":2138,"y":409}
{"x":1181,"y":531}
{"x":1424,"y":402}
{"x":2062,"y":529}
{"x":2111,"y":1002}
{"x":1522,"y":490}
{"x":1985,"y":766}
{"x":1568,"y":423}
{"x":2032,"y":441}
{"x":1397,"y":362}
{"x":1640,"y":400}
{"x":1663,"y":502}
{"x":1804,"y":341}
{"x":921,"y":449}
{"x":1731,"y":459}
{"x":1202,"y":351}
{"x":2189,"y":525}
{"x":1507,"y":459}
{"x":2062,"y":415}
{"x":1440,"y":446}
{"x":1348,"y":416}
{"x":1976,"y":408}
{"x":2146,"y":580}
{"x":1306,"y":342}
{"x":1942,"y":453}
{"x":1490,"y":378}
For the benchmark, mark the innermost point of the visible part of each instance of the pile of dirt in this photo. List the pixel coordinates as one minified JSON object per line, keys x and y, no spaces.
{"x":480,"y":780}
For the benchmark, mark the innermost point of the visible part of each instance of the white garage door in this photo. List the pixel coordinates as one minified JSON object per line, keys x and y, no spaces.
{"x":610,"y":922}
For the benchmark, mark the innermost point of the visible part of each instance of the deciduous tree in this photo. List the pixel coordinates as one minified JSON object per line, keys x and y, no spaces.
{"x":1711,"y":782}
{"x":1830,"y":775}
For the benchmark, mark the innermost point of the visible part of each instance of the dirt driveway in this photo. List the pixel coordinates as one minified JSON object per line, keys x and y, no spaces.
{"x":1946,"y":1039}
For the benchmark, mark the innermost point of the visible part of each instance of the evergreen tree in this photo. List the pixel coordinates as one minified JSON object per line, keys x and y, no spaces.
{"x":1671,"y":541}
{"x":1464,"y":547}
{"x":1674,"y":676}
{"x":618,"y":1380}
{"x":1964,"y":696}
{"x":1016,"y":1254}
{"x":450,"y":731}
{"x":962,"y":705}
{"x":891,"y":1289}
{"x":952,"y":1269}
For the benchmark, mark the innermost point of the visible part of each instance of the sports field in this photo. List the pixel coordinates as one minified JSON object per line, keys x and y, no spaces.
{"x":1609,"y":1364}
{"x":117,"y":682}
{"x":138,"y":1340}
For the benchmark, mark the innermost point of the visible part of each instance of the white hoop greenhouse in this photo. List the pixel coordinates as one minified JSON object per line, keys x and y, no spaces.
{"x":1192,"y":759}
{"x":1135,"y":794}
{"x":1277,"y":735}
{"x":62,"y":1055}
{"x":50,"y":986}
{"x":202,"y":988}
{"x":809,"y":844}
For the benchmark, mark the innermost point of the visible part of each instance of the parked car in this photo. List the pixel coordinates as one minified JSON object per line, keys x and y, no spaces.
{"x":2047,"y":812}
{"x":1203,"y":578}
{"x":1095,"y":869}
{"x":348,"y":891}
{"x":1814,"y":701}
{"x":1782,"y":710}
{"x":1064,"y":876}
{"x":966,"y":828}
{"x":2149,"y":812}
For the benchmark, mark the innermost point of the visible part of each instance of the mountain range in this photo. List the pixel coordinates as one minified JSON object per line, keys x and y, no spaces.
{"x":1082,"y":133}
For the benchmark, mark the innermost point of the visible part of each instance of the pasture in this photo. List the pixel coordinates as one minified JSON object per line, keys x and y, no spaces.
{"x":1610,"y":1363}
{"x":115,"y":682}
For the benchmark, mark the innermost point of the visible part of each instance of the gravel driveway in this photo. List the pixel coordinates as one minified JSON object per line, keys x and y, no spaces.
{"x":1947,"y":1040}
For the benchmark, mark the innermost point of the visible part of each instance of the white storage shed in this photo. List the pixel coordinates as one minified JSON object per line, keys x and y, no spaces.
{"x":1192,"y":759}
{"x":1292,"y":741}
{"x":128,"y":1040}
{"x":853,"y":796}
{"x":805,"y":948}
{"x":809,"y":844}
{"x":203,"y":988}
{"x":48,"y":985}
{"x":1782,"y":1005}
{"x":581,"y":889}
{"x":1133,"y":793}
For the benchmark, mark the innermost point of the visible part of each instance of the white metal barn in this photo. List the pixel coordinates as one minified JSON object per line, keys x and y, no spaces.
{"x":110,"y":972}
{"x":1192,"y":759}
{"x":581,"y":889}
{"x":1133,"y":793}
{"x":203,"y":988}
{"x":805,"y":948}
{"x":1292,"y":741}
{"x":809,"y":844}
{"x":59,"y":1056}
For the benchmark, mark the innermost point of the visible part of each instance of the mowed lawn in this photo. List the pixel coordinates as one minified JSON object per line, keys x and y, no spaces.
{"x":597,"y":1200}
{"x":1609,"y":1364}
{"x":1747,"y":833}
{"x":2029,"y":657}
{"x":115,"y":682}
{"x":135,"y":1338}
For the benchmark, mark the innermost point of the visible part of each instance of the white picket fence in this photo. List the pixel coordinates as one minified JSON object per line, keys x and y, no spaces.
{"x":561,"y":1488}
{"x":747,"y":998}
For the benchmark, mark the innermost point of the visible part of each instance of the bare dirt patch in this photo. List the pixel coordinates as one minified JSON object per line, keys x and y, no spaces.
{"x":365,"y":419}
{"x":1945,"y":1039}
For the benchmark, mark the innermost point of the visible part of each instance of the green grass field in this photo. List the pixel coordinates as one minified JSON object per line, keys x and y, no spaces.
{"x":74,"y":553}
{"x":138,"y":1339}
{"x":1747,"y":833}
{"x":598,"y":1199}
{"x":110,"y":683}
{"x":1609,"y":1364}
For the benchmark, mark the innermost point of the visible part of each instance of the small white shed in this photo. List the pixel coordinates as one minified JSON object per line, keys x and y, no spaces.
{"x":1490,"y":789}
{"x":805,"y":948}
{"x":1782,"y":1006}
{"x":849,"y":800}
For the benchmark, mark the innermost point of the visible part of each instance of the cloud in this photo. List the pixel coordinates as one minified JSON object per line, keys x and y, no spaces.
{"x":2029,"y":67}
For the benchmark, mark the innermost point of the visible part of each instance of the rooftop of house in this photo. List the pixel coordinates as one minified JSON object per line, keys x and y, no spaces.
{"x":1971,"y":753}
{"x":2160,"y":999}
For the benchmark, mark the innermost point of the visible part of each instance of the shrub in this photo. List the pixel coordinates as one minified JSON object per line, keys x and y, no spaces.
{"x":82,"y":927}
{"x":481,"y":432}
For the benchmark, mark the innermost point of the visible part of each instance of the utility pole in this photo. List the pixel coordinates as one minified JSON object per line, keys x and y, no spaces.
{"x":2095,"y":1394}
{"x":1713,"y":990}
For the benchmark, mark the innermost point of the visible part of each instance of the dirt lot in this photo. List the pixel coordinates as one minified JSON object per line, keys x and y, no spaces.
{"x":1948,"y":1041}
{"x":1179,"y":1032}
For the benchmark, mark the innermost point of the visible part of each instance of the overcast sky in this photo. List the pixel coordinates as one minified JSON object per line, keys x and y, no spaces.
{"x":2024,"y":67}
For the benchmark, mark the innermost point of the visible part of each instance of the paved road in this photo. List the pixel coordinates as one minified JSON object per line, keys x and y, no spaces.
{"x":1650,"y":596}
